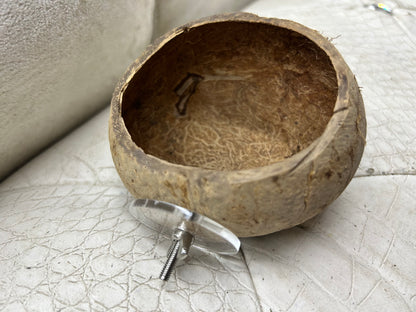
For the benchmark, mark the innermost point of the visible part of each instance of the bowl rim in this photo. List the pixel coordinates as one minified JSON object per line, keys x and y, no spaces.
{"x":335,"y":123}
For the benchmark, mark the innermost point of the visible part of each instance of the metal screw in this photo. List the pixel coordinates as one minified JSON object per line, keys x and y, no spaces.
{"x":186,"y":225}
{"x":181,"y":243}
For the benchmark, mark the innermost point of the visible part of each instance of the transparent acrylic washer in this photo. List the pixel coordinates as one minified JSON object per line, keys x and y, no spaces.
{"x":166,"y":218}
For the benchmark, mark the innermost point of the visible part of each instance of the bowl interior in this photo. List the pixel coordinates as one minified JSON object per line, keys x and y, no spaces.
{"x":231,"y":95}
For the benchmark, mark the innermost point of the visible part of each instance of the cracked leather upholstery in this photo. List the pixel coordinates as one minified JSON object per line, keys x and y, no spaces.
{"x":359,"y":254}
{"x":67,"y":242}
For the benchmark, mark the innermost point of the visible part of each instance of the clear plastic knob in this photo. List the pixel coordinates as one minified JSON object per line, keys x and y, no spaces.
{"x":186,"y":229}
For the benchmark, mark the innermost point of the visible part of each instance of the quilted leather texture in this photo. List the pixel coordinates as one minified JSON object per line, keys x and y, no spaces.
{"x":67,"y":242}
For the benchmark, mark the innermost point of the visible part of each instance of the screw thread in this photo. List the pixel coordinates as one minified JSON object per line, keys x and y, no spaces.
{"x":170,"y":263}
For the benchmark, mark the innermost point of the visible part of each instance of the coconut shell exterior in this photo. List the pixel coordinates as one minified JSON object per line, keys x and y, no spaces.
{"x":171,"y":140}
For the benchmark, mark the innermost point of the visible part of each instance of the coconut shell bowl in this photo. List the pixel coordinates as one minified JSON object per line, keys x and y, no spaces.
{"x":253,"y":122}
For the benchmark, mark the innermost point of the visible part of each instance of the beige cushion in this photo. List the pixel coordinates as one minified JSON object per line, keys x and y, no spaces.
{"x":174,"y":13}
{"x":59,"y":61}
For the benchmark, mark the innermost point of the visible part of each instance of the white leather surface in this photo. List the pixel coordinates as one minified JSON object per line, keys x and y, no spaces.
{"x":359,"y":255}
{"x":59,"y":62}
{"x":67,"y":242}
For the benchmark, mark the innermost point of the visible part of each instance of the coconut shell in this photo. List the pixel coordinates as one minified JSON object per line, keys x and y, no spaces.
{"x":256,"y":123}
